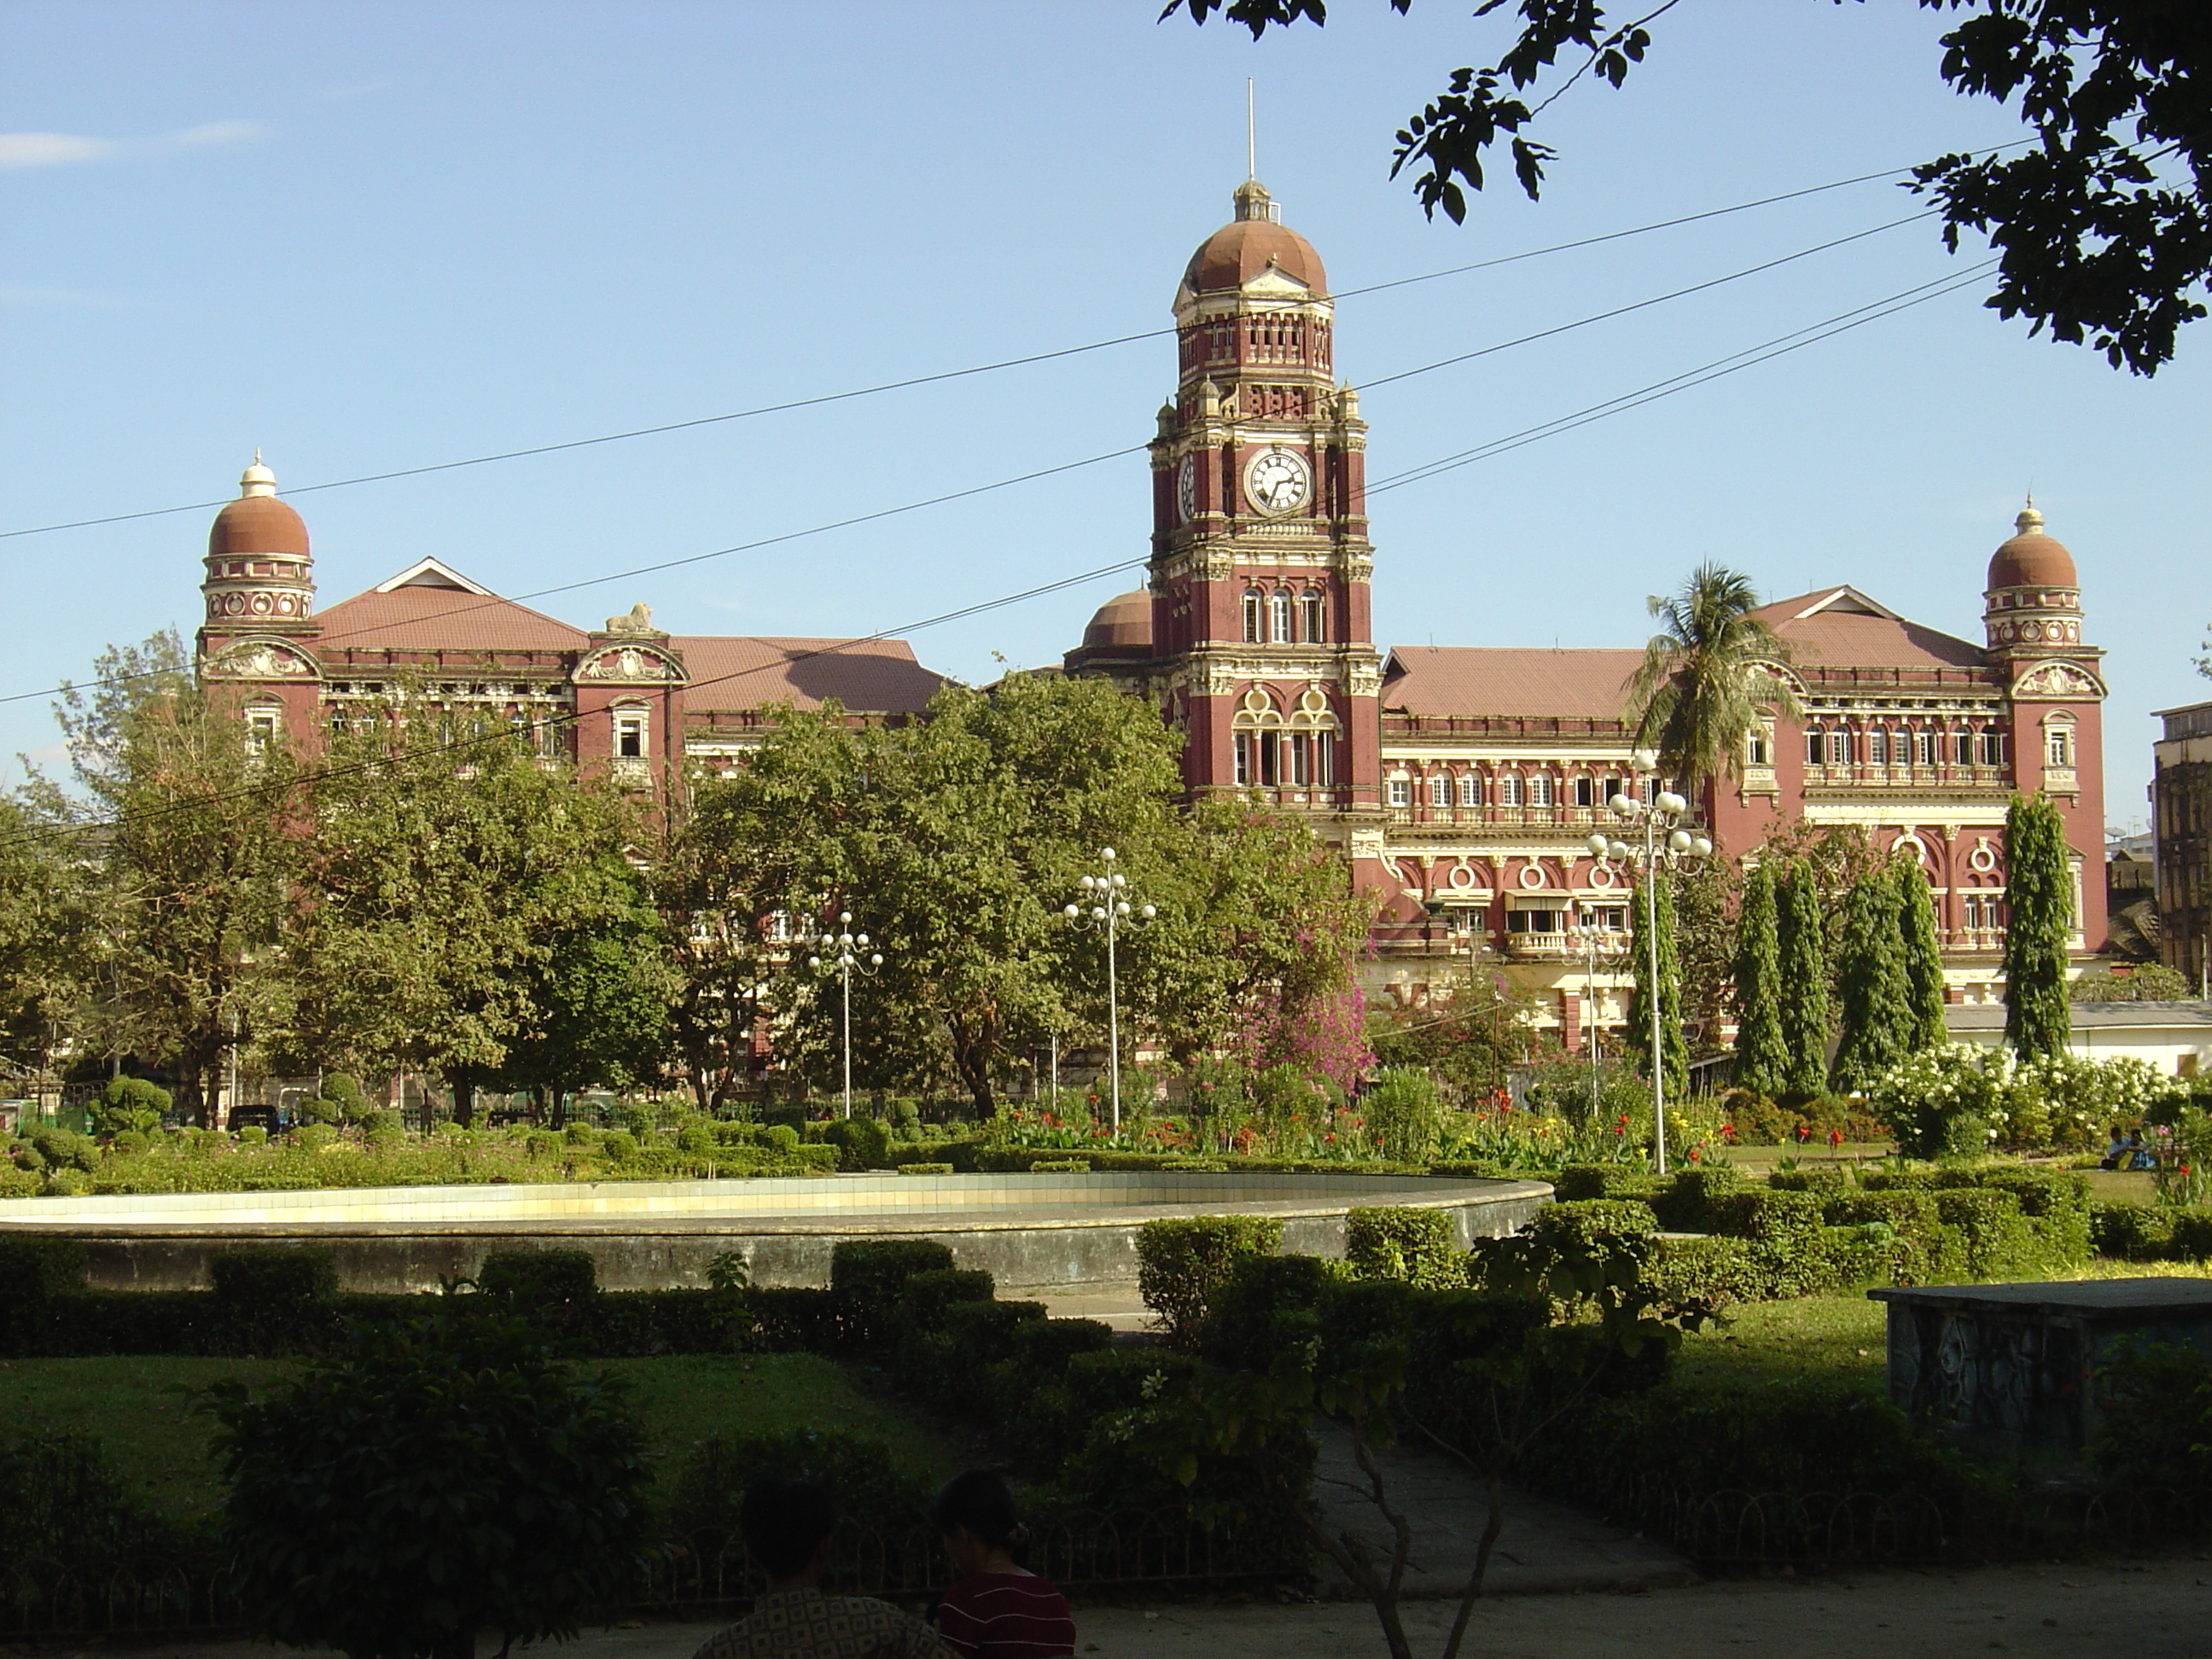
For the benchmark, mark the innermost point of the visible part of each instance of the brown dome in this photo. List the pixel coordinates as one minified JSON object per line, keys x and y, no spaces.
{"x":1123,"y":624}
{"x":258,"y":524}
{"x":1246,"y":246}
{"x":2031,"y":559}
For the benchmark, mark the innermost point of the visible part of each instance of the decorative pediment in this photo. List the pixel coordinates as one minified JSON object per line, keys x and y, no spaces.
{"x":261,"y":660}
{"x":2058,"y":681}
{"x":631,"y":664}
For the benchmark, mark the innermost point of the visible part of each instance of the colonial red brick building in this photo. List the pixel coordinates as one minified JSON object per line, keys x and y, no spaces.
{"x":629,"y":698}
{"x":1462,"y":782}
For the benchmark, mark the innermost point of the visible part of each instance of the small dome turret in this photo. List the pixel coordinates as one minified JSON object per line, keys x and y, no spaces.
{"x":260,"y":572}
{"x":2033,"y":558}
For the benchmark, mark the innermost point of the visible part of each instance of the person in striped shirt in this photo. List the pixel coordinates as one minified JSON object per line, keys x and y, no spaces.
{"x":997,"y":1608}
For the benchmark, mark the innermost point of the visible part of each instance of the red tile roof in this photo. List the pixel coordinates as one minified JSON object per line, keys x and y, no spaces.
{"x":1848,"y":634}
{"x":733,"y":673}
{"x":1469,"y":682}
{"x":426,"y":618}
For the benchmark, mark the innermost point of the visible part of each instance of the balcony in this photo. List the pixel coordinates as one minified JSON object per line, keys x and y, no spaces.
{"x":1539,"y":947}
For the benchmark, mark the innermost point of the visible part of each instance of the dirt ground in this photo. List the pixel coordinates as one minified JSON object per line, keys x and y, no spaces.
{"x":2160,"y":1610}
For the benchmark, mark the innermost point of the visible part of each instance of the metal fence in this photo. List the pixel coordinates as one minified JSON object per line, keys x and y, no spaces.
{"x":702,"y":1572}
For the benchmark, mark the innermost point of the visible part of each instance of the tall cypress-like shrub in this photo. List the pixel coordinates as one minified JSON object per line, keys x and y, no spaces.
{"x":2040,"y":898}
{"x":1673,"y":1052}
{"x":1924,"y":959}
{"x":1762,"y":1059}
{"x":1804,"y":958}
{"x":1874,"y":988}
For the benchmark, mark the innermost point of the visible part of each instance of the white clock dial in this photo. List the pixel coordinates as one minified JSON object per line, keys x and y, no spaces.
{"x":1276,"y":481}
{"x":1186,"y":489}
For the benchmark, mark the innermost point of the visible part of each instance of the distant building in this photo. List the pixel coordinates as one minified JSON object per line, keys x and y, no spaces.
{"x":2181,"y":819}
{"x":629,"y":699}
{"x":2176,"y":1038}
{"x":1462,"y":782}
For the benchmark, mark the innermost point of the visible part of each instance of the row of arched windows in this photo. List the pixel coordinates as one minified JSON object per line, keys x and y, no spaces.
{"x":1285,"y":617}
{"x":1444,"y":789}
{"x":1265,"y":336}
{"x":1840,"y":744}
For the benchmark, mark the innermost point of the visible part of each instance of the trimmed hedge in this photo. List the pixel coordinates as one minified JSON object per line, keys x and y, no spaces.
{"x":1181,"y":1262}
{"x":869,"y":1275}
{"x":1418,"y":1247}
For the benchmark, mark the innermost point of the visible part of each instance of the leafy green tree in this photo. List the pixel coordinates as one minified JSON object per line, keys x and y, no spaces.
{"x":2104,"y":223}
{"x":1762,"y":1057}
{"x":599,"y":985}
{"x":746,"y":861}
{"x":1674,"y":1051}
{"x":444,"y":874}
{"x":1466,"y":1039}
{"x":1254,"y":949}
{"x":181,"y":813}
{"x":1804,"y":958}
{"x":2039,"y":917}
{"x":1877,"y":990}
{"x":985,"y":815}
{"x":435,"y":1480}
{"x":1704,"y":683}
{"x":1924,"y":959}
{"x":129,"y":1102}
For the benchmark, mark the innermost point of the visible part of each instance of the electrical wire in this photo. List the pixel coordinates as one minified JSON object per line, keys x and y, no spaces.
{"x":1781,"y":345}
{"x":951,"y":374}
{"x":327,"y":639}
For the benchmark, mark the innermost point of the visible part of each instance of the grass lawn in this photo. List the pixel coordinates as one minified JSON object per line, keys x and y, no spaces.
{"x":160,"y":1447}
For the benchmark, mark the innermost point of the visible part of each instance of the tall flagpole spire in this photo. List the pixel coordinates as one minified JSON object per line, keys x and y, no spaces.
{"x":1251,"y":134}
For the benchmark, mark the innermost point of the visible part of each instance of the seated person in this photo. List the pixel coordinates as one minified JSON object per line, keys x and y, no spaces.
{"x":786,"y":1526}
{"x":2115,"y":1149}
{"x":2139,"y":1156}
{"x":998,"y":1609}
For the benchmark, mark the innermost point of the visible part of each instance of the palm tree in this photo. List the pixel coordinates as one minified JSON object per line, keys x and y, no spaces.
{"x":1705,"y":680}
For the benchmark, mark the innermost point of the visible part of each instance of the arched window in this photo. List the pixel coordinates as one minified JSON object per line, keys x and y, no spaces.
{"x":1283,"y":623}
{"x":1252,"y":622}
{"x":1315,"y":629}
{"x":1540,"y":789}
{"x":2058,"y":741}
{"x":1440,"y":789}
{"x":1470,"y":789}
{"x":1509,"y":789}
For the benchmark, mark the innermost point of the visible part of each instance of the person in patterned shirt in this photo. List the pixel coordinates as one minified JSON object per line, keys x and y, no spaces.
{"x":998,"y":1609}
{"x":786,"y":1526}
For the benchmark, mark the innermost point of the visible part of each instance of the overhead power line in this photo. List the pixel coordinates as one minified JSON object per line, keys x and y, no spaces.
{"x":941,"y":376}
{"x":463,"y":609}
{"x":1767,"y":351}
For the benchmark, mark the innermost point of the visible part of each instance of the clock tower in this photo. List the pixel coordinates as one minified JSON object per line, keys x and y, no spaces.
{"x":1261,"y":639}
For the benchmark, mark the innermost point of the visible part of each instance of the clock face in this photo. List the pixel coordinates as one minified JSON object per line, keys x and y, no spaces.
{"x":1186,"y":489}
{"x":1277,"y":481}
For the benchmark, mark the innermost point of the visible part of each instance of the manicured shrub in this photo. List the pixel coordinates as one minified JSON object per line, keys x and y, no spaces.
{"x":1417,"y":1247}
{"x":1266,"y":1306}
{"x":923,"y":1297}
{"x":861,"y":1142}
{"x":2156,"y":1402}
{"x":1922,"y":1250}
{"x":1686,"y":1204}
{"x":1066,"y":1166}
{"x":1598,"y":1223}
{"x":437,"y":1479}
{"x":248,"y":1279}
{"x":2191,"y":1239}
{"x":620,"y":1146}
{"x":539,"y":1278}
{"x":1576,"y":1181}
{"x":2130,"y":1232}
{"x":1713,"y":1270}
{"x":34,"y":1269}
{"x":868,"y":1275}
{"x":925,"y":1169}
{"x":1768,"y":1216}
{"x":1181,"y":1262}
{"x":1999,"y":1243}
{"x":128,"y":1103}
{"x":2056,"y":1203}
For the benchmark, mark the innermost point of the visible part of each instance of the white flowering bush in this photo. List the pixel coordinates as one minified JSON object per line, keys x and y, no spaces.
{"x":1959,"y":1098}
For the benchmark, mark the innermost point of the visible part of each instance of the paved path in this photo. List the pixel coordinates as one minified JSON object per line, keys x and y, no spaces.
{"x":2161,"y":1611}
{"x":1544,"y":1545}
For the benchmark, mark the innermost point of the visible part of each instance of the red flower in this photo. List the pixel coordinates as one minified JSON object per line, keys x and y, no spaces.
{"x":1697,"y":1154}
{"x":1330,"y":1138}
{"x":2184,"y":1169}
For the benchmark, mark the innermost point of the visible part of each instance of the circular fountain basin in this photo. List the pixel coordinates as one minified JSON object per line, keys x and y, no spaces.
{"x":1036,"y":1232}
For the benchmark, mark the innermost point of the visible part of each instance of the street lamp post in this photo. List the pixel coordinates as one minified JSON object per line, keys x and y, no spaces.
{"x":1660,"y":814}
{"x":845,"y":942}
{"x":1599,"y":945}
{"x":1105,"y":907}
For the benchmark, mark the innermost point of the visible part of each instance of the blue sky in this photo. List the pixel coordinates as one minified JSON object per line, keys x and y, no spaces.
{"x":370,"y":237}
